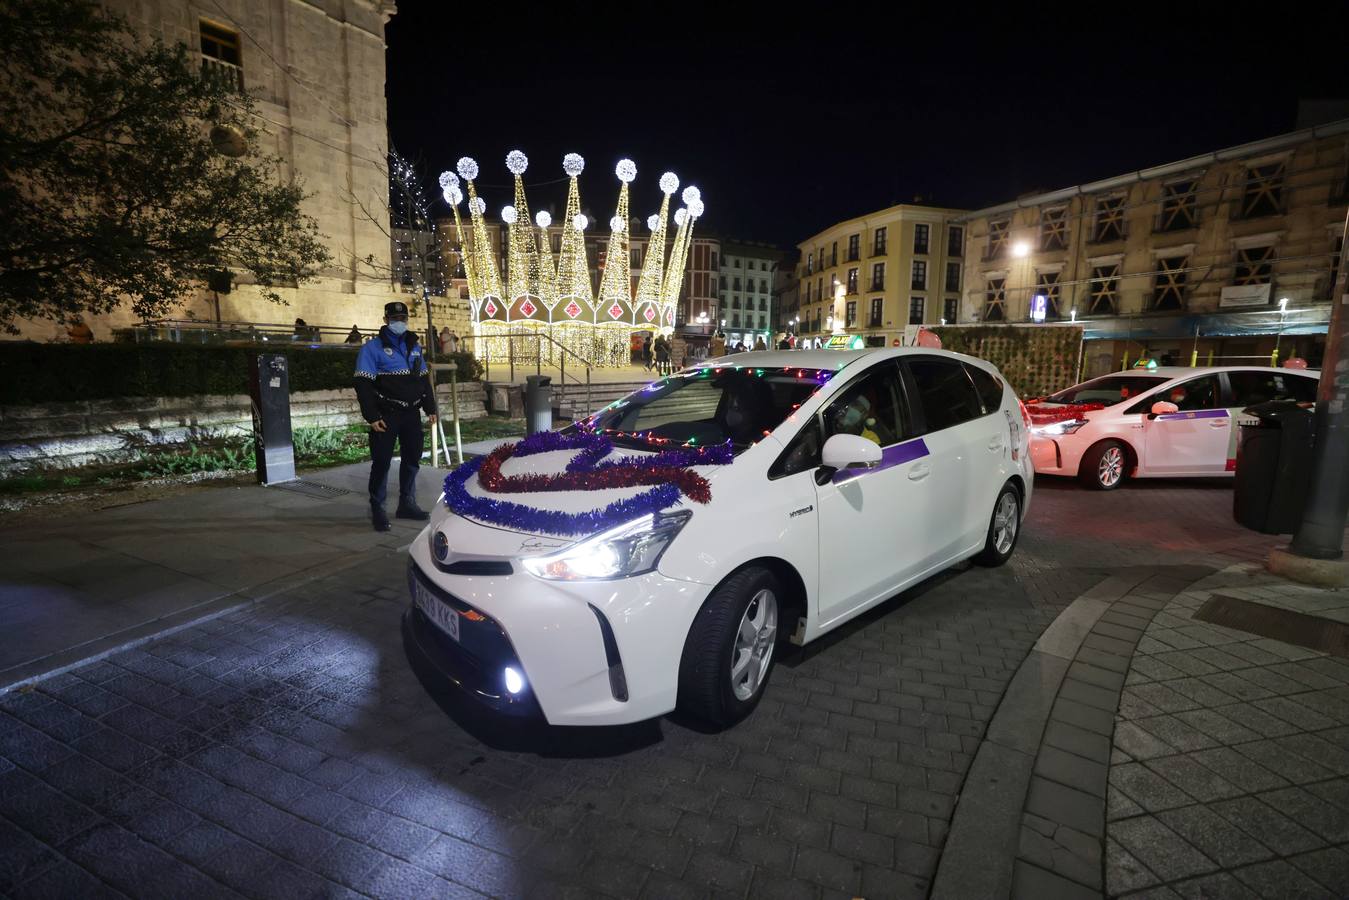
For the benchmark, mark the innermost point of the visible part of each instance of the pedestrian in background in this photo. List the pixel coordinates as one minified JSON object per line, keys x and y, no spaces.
{"x":79,"y":331}
{"x":355,"y":336}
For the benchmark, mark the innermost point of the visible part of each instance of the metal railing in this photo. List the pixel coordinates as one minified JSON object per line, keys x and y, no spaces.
{"x":541,"y":342}
{"x":199,"y":331}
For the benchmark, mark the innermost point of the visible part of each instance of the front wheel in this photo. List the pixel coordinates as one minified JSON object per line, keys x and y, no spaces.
{"x":1103,"y":466}
{"x":1003,"y":528}
{"x":728,"y":654}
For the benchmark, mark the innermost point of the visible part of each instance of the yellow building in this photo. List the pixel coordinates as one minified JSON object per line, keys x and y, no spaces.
{"x":872,"y":276}
{"x":1218,"y":258}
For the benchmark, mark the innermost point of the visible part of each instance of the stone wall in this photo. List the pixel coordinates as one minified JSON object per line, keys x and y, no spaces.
{"x":98,"y":432}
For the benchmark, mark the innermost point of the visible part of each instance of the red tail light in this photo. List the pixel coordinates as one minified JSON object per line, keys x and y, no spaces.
{"x":1025,"y":413}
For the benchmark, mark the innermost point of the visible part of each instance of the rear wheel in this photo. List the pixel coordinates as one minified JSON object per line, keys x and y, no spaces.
{"x":728,"y":654}
{"x":1104,"y":466}
{"x":1003,"y":528}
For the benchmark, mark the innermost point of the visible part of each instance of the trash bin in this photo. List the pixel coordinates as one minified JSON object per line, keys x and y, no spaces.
{"x":1274,"y":463}
{"x":538,"y":403}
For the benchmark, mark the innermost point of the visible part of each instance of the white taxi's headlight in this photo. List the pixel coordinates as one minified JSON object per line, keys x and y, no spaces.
{"x":629,"y":549}
{"x":1067,"y":426}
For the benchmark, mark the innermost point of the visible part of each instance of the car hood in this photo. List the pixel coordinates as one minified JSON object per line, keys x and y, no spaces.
{"x":471,"y":537}
{"x":1046,"y":413}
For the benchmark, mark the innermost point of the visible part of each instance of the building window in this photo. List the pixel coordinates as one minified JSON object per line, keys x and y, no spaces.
{"x":1109,"y":220}
{"x":878,"y":276}
{"x":953,"y":276}
{"x":735,"y":320}
{"x":999,"y":237}
{"x":854,"y":240}
{"x":850,"y":312}
{"x":951,"y":310}
{"x":919,"y":280}
{"x":833,"y":254}
{"x":995,"y":300}
{"x":763,"y":266}
{"x":723,"y":282}
{"x":852,"y":281}
{"x":920,"y":238}
{"x":915,"y":310}
{"x":1178,"y":206}
{"x":763,"y":305}
{"x":635,"y":256}
{"x":819,"y":289}
{"x":763,"y":286}
{"x":1054,"y":229}
{"x":220,"y":56}
{"x":763,"y":322}
{"x":877,"y":305}
{"x":1255,"y":265}
{"x":556,"y":242}
{"x":714,"y":260}
{"x":1168,"y":283}
{"x":735,"y":284}
{"x":1047,"y":283}
{"x":955,"y":241}
{"x":878,"y":247}
{"x":1103,"y":295}
{"x":810,"y":264}
{"x":1264,"y":191}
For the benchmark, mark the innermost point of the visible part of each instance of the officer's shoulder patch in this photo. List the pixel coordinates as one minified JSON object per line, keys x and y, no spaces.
{"x":388,"y":351}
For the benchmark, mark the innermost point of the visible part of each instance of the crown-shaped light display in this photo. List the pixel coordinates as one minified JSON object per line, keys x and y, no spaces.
{"x":558,"y":296}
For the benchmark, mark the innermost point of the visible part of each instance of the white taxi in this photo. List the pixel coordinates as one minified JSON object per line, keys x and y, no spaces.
{"x":1151,"y":423}
{"x":655,"y":554}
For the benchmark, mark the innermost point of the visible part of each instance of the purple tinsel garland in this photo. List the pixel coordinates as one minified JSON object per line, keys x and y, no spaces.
{"x":593,"y":448}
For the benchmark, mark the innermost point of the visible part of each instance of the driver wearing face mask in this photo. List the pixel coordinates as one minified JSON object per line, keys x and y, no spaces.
{"x":393,"y":389}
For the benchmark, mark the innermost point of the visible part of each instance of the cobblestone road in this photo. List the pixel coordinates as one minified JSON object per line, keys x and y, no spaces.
{"x":287,"y":750}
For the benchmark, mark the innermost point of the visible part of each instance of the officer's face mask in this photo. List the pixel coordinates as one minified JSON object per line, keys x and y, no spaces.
{"x":398,"y":328}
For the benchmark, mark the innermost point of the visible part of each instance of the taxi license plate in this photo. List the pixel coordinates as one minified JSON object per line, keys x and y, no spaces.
{"x":446,"y":619}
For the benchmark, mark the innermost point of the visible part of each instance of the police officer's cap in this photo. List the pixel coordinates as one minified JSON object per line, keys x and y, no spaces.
{"x":396,"y":308}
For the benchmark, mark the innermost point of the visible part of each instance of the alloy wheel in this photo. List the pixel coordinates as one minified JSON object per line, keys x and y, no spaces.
{"x":1005,"y":522}
{"x":1111,"y":467}
{"x":754,"y":641}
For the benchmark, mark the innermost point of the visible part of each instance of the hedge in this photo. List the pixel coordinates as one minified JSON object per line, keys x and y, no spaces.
{"x":41,"y":373}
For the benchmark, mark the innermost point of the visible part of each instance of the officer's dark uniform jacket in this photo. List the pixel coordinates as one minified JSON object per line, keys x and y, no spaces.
{"x":391,"y":376}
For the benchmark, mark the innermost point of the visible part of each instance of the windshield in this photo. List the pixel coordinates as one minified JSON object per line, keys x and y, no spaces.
{"x":1107,"y":390}
{"x":709,"y":406}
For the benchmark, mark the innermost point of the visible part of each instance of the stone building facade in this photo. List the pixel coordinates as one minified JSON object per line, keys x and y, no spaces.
{"x":872,"y":276}
{"x":316,"y":70}
{"x":1220,"y":258}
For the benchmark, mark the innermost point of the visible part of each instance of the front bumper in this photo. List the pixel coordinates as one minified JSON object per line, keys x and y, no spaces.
{"x":476,"y":663}
{"x":592,"y":653}
{"x":1055,"y":456}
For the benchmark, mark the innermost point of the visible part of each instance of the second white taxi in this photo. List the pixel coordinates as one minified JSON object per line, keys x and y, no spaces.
{"x":1155,"y":423}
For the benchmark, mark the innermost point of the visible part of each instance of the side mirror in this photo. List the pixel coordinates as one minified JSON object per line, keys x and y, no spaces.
{"x":1163,"y":407}
{"x":848,"y":451}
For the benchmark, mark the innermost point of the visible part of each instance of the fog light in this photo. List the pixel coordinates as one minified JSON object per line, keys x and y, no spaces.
{"x":515,"y":682}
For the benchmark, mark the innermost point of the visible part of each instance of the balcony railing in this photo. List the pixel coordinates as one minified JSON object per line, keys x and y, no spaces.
{"x":223,"y":73}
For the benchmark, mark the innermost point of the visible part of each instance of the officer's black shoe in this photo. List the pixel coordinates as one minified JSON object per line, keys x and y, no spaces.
{"x":378,"y":519}
{"x":408,"y":509}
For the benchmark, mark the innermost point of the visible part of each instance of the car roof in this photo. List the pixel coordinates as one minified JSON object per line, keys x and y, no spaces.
{"x":824,"y":359}
{"x":1186,"y":371}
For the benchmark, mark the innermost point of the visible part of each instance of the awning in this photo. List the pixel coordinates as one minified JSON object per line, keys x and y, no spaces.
{"x":1305,"y":320}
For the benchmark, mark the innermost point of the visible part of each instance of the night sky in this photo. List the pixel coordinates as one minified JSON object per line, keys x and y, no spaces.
{"x":789,"y":123}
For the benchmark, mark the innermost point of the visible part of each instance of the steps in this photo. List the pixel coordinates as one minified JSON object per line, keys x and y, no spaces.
{"x":569,"y":400}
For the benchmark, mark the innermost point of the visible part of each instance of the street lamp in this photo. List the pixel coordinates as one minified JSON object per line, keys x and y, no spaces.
{"x":1283,"y":311}
{"x":1021,"y":248}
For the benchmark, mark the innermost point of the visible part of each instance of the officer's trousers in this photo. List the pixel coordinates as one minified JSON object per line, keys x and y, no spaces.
{"x":405,"y":427}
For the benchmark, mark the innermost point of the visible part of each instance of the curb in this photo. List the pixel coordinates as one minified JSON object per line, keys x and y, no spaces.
{"x":981,"y":846}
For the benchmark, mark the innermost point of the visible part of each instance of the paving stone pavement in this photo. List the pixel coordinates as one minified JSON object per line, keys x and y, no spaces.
{"x":1229,"y":771}
{"x":287,"y":750}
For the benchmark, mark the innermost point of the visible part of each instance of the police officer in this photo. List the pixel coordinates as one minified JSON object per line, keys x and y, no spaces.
{"x":392,"y":387}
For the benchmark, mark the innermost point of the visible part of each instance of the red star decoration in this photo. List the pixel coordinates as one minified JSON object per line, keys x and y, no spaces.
{"x":615,"y":311}
{"x":649,"y":314}
{"x":490,"y":308}
{"x":527,"y":308}
{"x":572,"y":309}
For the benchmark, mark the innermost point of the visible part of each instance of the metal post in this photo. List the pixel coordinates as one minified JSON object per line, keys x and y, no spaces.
{"x":1210,"y":357}
{"x":1321,"y":535}
{"x":454,"y":409}
{"x":510,"y":350}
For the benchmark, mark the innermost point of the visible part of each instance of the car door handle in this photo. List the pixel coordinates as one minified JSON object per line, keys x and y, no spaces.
{"x":995,"y":444}
{"x":919,"y":472}
{"x":1219,"y":424}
